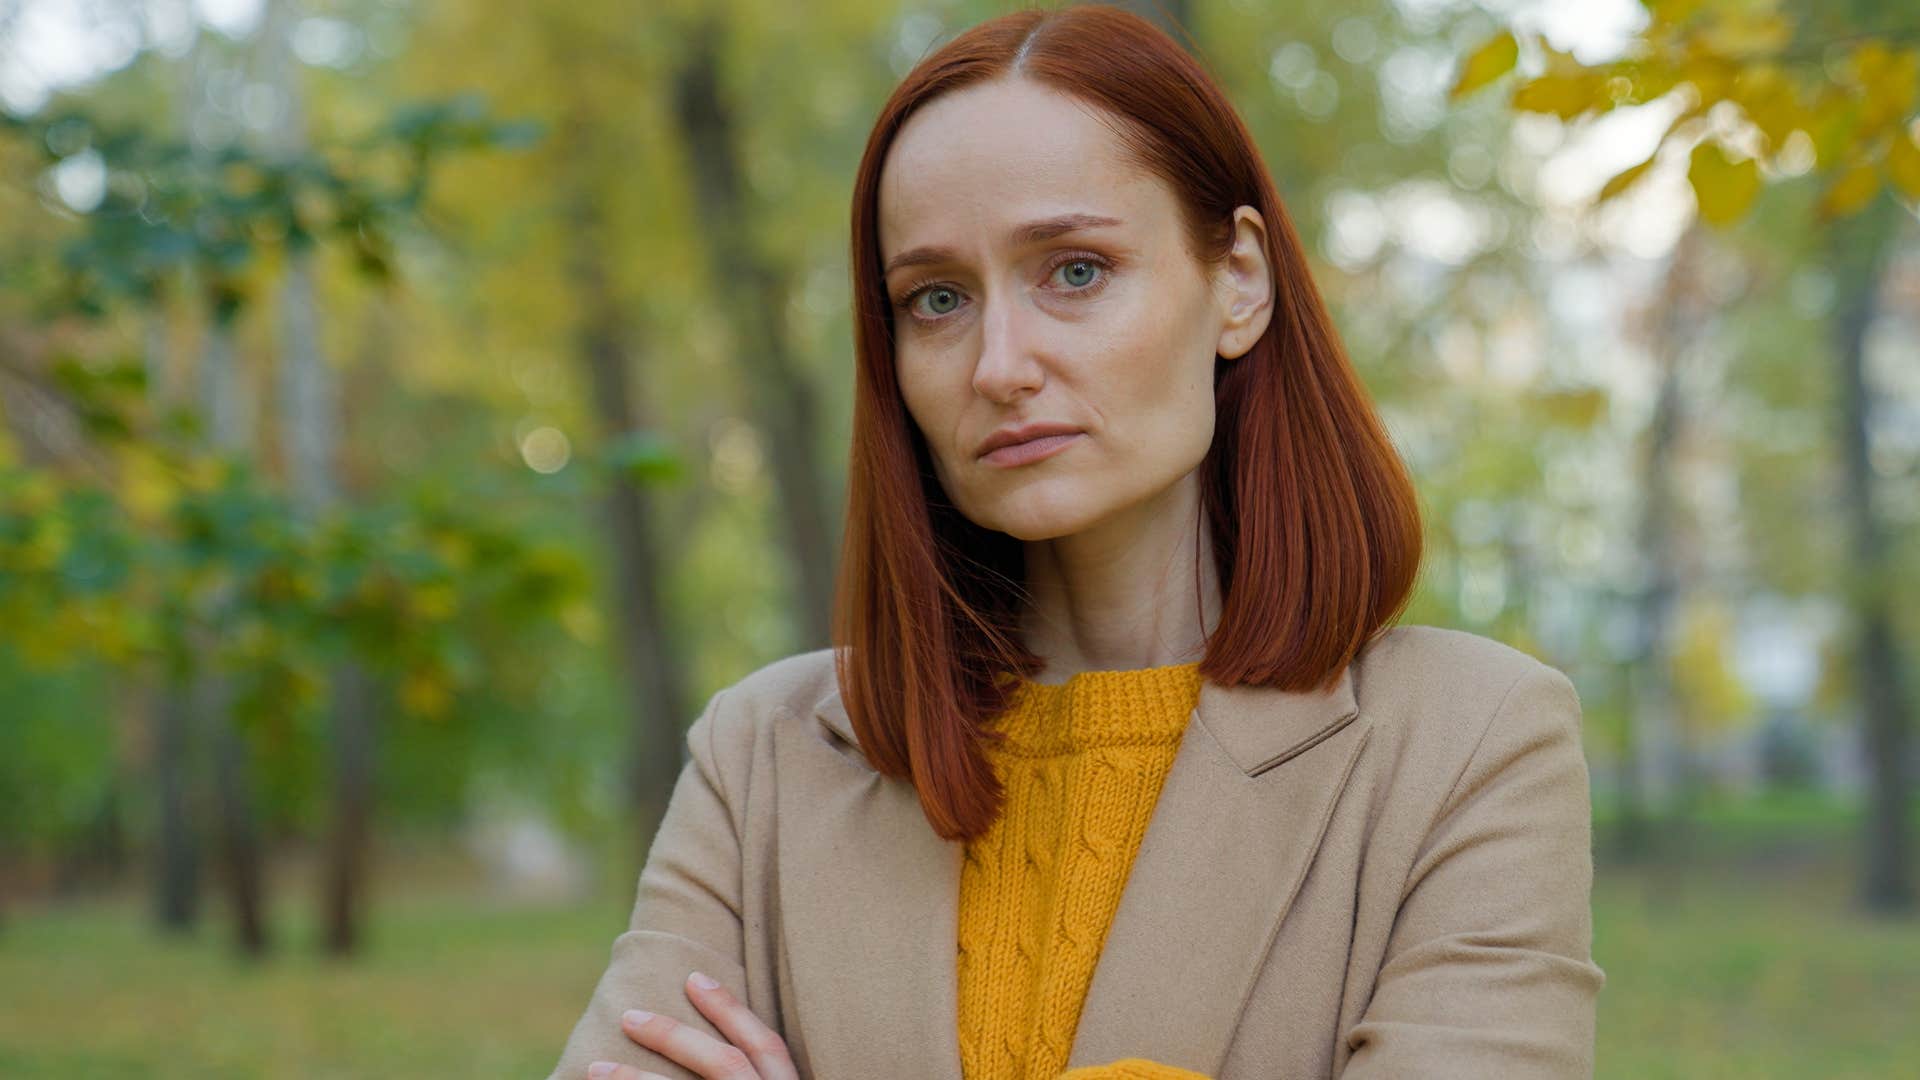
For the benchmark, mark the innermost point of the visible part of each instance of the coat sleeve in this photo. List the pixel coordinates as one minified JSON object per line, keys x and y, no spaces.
{"x":686,"y":917}
{"x":1488,"y":971}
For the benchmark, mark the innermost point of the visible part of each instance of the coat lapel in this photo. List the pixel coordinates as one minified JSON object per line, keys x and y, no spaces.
{"x":1241,"y":814}
{"x":871,"y":894}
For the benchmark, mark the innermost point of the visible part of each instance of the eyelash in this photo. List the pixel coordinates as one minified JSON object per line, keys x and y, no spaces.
{"x":906,"y":300}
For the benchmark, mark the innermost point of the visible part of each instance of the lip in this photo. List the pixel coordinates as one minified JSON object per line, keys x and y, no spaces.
{"x":1032,"y":450}
{"x":1012,"y":436}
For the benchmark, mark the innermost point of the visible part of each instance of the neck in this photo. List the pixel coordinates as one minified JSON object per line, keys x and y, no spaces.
{"x":1138,"y":590}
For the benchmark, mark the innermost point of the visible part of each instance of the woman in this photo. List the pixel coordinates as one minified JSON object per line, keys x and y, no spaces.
{"x":1119,"y":769}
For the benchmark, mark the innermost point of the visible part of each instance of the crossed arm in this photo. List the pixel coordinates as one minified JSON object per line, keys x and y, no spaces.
{"x":687,"y":917}
{"x":1487,"y":970}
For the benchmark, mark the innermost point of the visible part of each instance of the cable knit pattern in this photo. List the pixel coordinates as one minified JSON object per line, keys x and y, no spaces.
{"x":1082,"y":765}
{"x":1131,"y":1069}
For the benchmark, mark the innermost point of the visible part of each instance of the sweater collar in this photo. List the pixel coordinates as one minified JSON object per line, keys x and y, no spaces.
{"x":1258,"y":727}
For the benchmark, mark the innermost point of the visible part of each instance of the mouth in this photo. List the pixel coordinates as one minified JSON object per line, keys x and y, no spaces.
{"x":1026,"y":453}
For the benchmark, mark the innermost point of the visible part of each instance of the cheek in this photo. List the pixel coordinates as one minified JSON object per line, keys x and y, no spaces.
{"x":1169,"y":391}
{"x":928,"y":403}
{"x":1169,"y":358}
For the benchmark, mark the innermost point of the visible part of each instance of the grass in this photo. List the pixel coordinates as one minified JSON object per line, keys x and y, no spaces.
{"x":448,"y":987}
{"x":1762,"y":969}
{"x":1739,"y":960}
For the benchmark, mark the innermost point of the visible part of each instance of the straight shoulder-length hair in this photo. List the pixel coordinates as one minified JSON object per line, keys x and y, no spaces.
{"x":1316,"y":532}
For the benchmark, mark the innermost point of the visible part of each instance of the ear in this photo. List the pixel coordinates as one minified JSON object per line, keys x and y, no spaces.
{"x":1243,"y":285}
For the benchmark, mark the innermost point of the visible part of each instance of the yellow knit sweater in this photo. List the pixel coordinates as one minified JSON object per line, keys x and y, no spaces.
{"x":1082,"y":766}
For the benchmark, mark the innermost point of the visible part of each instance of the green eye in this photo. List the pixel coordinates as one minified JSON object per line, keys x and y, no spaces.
{"x":1080,"y":264}
{"x":934,"y":294}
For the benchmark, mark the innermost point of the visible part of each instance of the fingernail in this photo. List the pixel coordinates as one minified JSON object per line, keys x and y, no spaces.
{"x":704,"y":982}
{"x":599,"y":1069}
{"x":636,"y":1017}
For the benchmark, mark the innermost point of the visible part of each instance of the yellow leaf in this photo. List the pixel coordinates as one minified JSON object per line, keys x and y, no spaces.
{"x":1770,"y":101}
{"x":1888,"y":83}
{"x":1673,"y":12}
{"x":1854,"y":189}
{"x":1651,"y":79}
{"x":1712,"y":696}
{"x":1832,"y":129}
{"x":1566,"y":95}
{"x":1494,"y":58}
{"x":148,"y":487}
{"x":1711,"y":74}
{"x":1738,"y":34}
{"x":1624,"y":180}
{"x":435,"y":601}
{"x":1723,"y":187}
{"x":1579,"y":409}
{"x":1903,"y":164}
{"x":582,"y":622}
{"x":425,"y":693}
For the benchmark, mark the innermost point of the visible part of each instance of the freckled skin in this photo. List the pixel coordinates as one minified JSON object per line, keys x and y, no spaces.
{"x":1014,"y":334}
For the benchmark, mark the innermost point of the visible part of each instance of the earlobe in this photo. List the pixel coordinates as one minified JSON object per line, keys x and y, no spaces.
{"x":1248,"y":278}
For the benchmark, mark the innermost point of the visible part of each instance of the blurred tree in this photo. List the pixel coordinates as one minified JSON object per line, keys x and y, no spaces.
{"x":180,"y":208}
{"x":1655,"y":775}
{"x":603,"y":336}
{"x":782,"y":397}
{"x":226,"y":402}
{"x":1776,"y":90}
{"x":309,"y":423}
{"x":1860,"y":251}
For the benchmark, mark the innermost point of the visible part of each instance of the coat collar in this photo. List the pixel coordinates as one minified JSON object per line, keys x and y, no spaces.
{"x":871,"y":893}
{"x":1256,"y":726}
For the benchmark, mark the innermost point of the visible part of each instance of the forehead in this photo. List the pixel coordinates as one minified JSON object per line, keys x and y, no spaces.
{"x":972,"y":162}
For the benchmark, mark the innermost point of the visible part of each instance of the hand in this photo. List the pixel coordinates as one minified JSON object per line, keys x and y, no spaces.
{"x":756,"y":1053}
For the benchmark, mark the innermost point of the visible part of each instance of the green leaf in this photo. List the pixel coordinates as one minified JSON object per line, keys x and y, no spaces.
{"x":644,"y":457}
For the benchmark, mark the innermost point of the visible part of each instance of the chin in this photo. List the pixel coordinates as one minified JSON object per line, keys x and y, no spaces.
{"x":1031,"y":523}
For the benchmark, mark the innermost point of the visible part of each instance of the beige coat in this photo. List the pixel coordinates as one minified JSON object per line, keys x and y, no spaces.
{"x":1387,"y":880}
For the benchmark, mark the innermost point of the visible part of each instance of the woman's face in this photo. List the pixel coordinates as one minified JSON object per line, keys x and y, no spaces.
{"x":1036,"y":277}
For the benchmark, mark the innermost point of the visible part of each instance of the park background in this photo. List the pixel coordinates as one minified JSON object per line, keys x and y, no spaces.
{"x":412,"y":410}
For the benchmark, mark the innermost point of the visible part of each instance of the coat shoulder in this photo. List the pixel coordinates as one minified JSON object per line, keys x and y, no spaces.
{"x":796,"y":681}
{"x":792,"y":686}
{"x":1438,"y":688}
{"x":1442,"y":656}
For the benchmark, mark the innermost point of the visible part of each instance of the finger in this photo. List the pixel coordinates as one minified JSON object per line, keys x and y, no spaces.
{"x":607,"y":1070}
{"x":688,"y":1046}
{"x":763,"y":1046}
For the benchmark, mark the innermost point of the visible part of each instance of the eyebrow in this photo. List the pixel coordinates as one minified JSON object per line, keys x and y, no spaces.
{"x":1032,"y":232}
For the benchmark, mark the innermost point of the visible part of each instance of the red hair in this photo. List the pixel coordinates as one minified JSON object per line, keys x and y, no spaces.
{"x":1316,"y":528}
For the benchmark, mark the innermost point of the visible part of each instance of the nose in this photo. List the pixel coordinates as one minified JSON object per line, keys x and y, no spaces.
{"x":1007,"y":366}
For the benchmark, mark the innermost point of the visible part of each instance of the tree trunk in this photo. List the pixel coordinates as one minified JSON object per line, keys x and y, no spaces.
{"x":176,"y":866}
{"x":309,"y":427}
{"x":221,"y":396}
{"x":655,"y":682}
{"x":1653,"y":777}
{"x":780,"y":397}
{"x":177,"y":853}
{"x":1860,"y":254}
{"x":239,"y":839}
{"x":344,"y":877}
{"x":228,"y":413}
